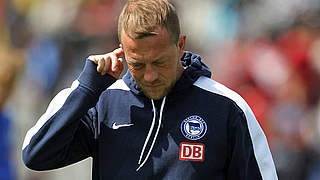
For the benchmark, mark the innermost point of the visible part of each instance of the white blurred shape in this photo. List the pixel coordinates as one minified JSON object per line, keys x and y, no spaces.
{"x":269,"y":69}
{"x":52,"y":16}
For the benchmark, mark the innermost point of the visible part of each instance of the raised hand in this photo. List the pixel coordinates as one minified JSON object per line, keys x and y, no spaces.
{"x":110,"y":63}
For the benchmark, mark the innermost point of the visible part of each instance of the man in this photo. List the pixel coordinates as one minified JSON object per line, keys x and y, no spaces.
{"x":165,"y":119}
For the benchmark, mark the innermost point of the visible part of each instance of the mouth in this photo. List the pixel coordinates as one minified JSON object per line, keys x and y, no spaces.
{"x":155,"y":91}
{"x":152,"y":87}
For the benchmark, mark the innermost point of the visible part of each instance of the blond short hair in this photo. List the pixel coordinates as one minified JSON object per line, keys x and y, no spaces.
{"x":140,"y":18}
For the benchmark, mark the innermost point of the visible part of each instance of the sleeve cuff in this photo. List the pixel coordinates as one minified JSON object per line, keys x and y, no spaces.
{"x":94,"y":81}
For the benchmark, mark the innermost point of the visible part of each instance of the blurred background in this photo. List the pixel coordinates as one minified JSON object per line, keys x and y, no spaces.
{"x":266,"y":50}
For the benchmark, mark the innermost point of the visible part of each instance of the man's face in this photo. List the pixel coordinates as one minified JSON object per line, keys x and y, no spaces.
{"x":154,"y":62}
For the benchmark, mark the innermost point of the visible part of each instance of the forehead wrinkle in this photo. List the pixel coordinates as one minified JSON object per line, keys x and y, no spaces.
{"x":145,"y":55}
{"x":144,"y":60}
{"x":147,"y":49}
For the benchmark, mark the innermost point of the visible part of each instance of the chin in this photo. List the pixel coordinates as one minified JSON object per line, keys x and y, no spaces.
{"x":155,"y":96}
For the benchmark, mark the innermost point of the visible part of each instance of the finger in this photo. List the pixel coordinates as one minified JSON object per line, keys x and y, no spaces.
{"x":106,"y":65}
{"x":118,"y":52}
{"x":120,"y":64}
{"x":114,"y":62}
{"x":120,"y":68}
{"x":101,"y":64}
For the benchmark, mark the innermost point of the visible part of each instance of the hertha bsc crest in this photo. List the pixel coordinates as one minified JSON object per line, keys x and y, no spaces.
{"x":193,"y":127}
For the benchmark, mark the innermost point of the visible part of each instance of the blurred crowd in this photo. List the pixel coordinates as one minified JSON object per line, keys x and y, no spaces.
{"x":268,"y":51}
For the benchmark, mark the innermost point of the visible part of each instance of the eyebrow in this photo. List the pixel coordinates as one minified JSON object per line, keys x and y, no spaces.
{"x":132,"y":60}
{"x":160,"y":58}
{"x":135,"y":61}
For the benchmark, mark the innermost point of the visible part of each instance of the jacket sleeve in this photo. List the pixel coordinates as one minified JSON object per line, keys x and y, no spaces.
{"x":249,"y":154}
{"x":65,"y":133}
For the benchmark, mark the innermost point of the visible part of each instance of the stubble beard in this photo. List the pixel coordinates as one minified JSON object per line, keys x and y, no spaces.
{"x":157,"y":96}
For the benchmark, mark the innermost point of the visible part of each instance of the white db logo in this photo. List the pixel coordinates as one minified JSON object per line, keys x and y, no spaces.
{"x":191,"y":151}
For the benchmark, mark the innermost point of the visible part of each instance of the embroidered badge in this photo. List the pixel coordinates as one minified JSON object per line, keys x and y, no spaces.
{"x":193,"y":127}
{"x":191,"y":151}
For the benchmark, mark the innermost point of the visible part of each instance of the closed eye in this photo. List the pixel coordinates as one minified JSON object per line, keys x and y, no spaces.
{"x":137,"y":66}
{"x":159,"y":63}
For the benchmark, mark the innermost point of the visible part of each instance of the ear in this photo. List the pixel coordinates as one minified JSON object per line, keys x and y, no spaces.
{"x":181,"y":45}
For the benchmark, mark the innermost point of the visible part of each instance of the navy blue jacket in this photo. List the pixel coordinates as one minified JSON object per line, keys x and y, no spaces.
{"x":200,"y":130}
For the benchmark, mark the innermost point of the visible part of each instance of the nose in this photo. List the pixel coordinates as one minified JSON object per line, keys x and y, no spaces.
{"x":150,"y":74}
